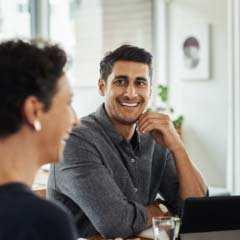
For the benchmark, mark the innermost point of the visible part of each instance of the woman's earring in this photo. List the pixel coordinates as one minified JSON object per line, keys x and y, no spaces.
{"x":37,"y":126}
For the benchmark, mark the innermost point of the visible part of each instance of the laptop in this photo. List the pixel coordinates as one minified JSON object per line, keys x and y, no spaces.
{"x":211,"y":218}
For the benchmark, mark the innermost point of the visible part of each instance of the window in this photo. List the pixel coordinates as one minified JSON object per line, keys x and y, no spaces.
{"x":15,"y":19}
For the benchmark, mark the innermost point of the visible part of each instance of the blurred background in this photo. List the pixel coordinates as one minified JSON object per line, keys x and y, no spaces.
{"x":207,"y":97}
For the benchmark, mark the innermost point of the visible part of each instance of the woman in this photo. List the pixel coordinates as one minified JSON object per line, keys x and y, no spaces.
{"x":35,"y":120}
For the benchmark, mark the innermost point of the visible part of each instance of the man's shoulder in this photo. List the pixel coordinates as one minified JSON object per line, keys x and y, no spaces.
{"x":89,"y":128}
{"x":87,"y":124}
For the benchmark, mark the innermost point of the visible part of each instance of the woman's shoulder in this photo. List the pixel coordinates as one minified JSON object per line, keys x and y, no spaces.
{"x":53,"y":218}
{"x":21,"y":208}
{"x":18,"y":198}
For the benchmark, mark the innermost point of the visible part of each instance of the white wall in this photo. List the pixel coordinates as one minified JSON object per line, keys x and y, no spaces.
{"x":203,"y":103}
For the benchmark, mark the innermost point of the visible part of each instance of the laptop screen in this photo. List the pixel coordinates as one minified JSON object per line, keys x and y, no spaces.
{"x":210,"y":214}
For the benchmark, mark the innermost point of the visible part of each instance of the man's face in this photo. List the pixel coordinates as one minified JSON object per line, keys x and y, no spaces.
{"x":126,"y":91}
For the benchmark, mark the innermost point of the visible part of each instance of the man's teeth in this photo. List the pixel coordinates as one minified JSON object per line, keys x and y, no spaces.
{"x":129,"y":104}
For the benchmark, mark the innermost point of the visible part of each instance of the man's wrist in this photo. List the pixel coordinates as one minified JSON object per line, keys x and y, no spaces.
{"x":156,"y":209}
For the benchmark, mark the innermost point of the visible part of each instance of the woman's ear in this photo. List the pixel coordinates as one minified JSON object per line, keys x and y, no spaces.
{"x":31,"y":110}
{"x":101,"y":87}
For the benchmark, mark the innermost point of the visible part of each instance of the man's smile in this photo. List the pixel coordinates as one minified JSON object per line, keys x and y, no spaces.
{"x":127,"y":104}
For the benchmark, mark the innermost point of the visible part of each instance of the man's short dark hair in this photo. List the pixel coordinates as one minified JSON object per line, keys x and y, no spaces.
{"x":124,"y":53}
{"x":26,"y":69}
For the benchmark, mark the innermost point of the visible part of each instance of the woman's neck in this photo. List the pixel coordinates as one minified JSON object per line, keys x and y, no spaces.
{"x":18,"y":161}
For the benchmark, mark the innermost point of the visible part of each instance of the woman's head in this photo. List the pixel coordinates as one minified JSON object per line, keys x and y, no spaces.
{"x":35,"y":95}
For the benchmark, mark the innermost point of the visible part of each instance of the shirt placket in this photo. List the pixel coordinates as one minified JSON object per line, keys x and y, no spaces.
{"x":132,"y":165}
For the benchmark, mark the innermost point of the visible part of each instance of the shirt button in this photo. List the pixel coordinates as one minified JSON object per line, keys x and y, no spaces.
{"x":135,"y":190}
{"x":133,"y":160}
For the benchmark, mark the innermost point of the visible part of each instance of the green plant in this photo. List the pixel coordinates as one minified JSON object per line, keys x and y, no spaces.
{"x":163,"y":93}
{"x":178,"y":121}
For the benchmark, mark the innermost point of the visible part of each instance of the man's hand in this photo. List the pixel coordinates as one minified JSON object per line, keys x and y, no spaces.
{"x":154,"y":210}
{"x":162,"y":129}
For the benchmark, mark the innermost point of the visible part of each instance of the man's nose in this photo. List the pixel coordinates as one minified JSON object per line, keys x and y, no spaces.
{"x":130,"y":91}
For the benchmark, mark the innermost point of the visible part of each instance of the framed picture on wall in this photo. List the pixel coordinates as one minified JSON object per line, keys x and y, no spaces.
{"x":194,"y":52}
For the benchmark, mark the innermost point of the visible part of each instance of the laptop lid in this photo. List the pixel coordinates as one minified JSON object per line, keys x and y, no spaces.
{"x":211,"y":218}
{"x":211,"y":214}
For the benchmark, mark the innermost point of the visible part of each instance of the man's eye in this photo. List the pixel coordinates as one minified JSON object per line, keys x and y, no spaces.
{"x":141,"y":83}
{"x":120,"y":82}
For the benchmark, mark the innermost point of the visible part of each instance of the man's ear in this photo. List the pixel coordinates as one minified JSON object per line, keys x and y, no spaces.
{"x":101,"y":87}
{"x":31,"y":110}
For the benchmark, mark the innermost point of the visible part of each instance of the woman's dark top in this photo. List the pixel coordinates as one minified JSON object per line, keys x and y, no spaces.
{"x":24,"y":216}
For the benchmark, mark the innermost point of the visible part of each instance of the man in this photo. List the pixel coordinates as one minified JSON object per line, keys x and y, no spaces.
{"x":122,"y":156}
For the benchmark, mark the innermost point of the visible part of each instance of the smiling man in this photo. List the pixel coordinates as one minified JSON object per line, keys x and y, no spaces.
{"x":122,"y":156}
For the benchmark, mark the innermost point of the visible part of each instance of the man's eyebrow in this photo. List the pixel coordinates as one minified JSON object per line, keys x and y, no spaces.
{"x":122,"y":77}
{"x":142,"y":79}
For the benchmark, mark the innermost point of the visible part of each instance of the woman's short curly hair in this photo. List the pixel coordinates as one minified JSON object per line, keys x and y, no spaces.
{"x":27,"y":68}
